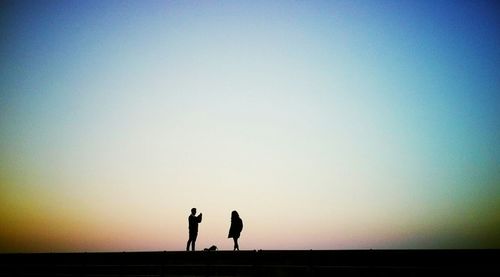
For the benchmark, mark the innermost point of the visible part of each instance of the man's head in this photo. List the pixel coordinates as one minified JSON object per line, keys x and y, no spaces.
{"x":193,"y":211}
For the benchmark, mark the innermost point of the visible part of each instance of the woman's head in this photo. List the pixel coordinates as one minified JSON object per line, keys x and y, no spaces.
{"x":235,"y":214}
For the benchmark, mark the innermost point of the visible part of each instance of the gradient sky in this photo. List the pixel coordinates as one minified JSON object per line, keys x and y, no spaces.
{"x":326,"y":125}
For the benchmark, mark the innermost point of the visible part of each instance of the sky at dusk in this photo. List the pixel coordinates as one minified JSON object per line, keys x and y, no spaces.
{"x":325,"y":124}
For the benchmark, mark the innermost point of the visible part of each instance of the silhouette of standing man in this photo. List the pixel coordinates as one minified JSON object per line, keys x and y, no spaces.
{"x":193,"y":228}
{"x":235,"y":229}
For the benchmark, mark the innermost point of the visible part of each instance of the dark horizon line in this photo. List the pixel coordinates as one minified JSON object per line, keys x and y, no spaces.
{"x":268,"y":250}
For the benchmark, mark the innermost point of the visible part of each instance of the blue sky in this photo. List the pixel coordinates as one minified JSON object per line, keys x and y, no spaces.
{"x":357,"y":124}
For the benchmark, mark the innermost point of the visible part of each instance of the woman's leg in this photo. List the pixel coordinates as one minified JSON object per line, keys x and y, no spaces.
{"x":236,"y":246}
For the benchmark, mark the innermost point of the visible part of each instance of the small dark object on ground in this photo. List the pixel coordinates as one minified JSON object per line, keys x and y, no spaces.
{"x":212,"y":248}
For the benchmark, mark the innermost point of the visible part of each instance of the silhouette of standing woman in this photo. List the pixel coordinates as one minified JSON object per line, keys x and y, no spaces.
{"x":193,"y":228}
{"x":235,"y":229}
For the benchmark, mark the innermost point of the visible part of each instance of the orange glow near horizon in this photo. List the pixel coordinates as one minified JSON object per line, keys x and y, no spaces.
{"x":325,"y":124}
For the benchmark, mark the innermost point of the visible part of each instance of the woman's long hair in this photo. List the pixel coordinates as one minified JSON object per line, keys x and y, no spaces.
{"x":234,"y":215}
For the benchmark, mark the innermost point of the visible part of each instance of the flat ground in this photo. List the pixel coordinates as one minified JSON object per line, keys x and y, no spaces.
{"x":254,"y":263}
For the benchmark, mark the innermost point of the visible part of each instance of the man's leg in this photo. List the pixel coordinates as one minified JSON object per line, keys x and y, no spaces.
{"x":193,"y":242}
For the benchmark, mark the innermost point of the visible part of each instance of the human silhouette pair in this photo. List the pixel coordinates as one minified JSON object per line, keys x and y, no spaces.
{"x":234,"y":230}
